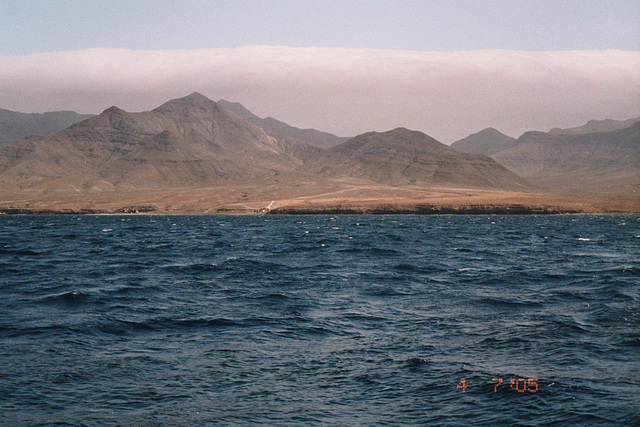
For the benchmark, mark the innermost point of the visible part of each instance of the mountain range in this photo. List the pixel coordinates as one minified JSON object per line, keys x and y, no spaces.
{"x":406,"y":157}
{"x":184,"y":142}
{"x":600,"y":157}
{"x":196,"y":155}
{"x":590,"y":163}
{"x":596,"y":126}
{"x":15,"y":126}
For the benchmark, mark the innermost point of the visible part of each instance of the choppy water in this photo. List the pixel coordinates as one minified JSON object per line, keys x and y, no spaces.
{"x":319,"y":320}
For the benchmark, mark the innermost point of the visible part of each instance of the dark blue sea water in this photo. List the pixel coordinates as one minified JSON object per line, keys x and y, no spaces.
{"x":320,"y":320}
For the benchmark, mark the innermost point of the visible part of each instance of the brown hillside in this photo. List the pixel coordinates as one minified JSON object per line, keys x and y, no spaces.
{"x":405,"y":157}
{"x":606,"y":163}
{"x":188,"y":141}
{"x":191,"y":155}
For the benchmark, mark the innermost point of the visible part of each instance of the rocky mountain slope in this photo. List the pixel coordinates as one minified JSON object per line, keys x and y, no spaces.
{"x":280,"y":129}
{"x":194,"y":155}
{"x":405,"y":157}
{"x":187,"y":141}
{"x":194,"y":141}
{"x":601,"y":157}
{"x":603,"y":162}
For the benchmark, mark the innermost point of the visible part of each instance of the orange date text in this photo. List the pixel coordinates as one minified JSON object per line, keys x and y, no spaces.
{"x":521,"y":385}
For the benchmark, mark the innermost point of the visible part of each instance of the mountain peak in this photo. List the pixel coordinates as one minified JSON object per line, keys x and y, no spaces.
{"x":491,"y":131}
{"x":397,"y":133}
{"x":488,"y":142}
{"x":114,"y":111}
{"x":196,"y":97}
{"x":403,"y":136}
{"x":407,"y":157}
{"x":195,"y":100}
{"x":402,"y":131}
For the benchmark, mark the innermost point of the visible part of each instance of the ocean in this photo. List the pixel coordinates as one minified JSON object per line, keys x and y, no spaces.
{"x":320,"y":320}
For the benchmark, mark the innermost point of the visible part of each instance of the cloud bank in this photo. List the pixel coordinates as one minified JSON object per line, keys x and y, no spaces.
{"x":447,"y":95}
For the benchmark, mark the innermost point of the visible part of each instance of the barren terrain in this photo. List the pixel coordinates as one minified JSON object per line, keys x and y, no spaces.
{"x":328,"y":196}
{"x":192,"y":155}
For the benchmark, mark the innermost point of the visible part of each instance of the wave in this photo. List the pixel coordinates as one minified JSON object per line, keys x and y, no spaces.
{"x":378,"y":326}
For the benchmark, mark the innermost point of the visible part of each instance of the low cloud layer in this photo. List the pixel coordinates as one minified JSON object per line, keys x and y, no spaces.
{"x":447,"y":95}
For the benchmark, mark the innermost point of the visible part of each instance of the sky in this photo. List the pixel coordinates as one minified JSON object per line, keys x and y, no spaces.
{"x":447,"y":68}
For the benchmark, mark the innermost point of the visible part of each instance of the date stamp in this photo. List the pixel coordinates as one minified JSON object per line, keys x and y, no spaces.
{"x":521,"y":385}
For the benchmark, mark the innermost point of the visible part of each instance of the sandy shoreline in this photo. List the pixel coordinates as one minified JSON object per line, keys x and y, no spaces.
{"x":310,"y":198}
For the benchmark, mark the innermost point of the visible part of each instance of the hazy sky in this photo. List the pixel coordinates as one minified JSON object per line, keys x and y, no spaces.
{"x":48,"y":25}
{"x":447,"y":68}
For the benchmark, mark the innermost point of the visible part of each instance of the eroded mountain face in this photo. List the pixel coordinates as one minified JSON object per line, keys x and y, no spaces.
{"x":193,"y":141}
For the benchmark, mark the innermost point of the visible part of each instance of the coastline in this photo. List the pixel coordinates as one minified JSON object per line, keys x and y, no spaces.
{"x":506,"y":209}
{"x":345,"y":199}
{"x":509,"y":209}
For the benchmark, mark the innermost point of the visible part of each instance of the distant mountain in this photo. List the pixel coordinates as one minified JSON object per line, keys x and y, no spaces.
{"x":488,"y":142}
{"x":602,"y":162}
{"x":15,"y":126}
{"x":193,"y":154}
{"x":187,"y":141}
{"x":405,"y":157}
{"x":193,"y":141}
{"x":594,"y":126}
{"x":280,"y":129}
